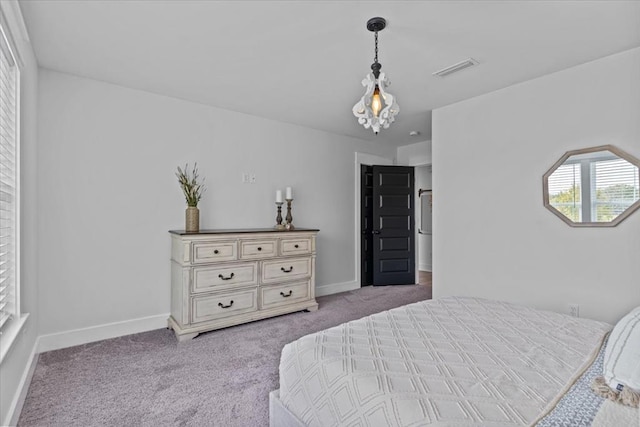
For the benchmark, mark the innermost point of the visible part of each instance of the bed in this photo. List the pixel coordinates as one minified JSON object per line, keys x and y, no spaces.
{"x":448,"y":362}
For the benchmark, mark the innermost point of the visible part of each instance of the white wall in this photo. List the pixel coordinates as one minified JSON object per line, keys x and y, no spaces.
{"x":414,"y":154}
{"x":15,"y":365}
{"x":494,"y":237}
{"x":108,"y":193}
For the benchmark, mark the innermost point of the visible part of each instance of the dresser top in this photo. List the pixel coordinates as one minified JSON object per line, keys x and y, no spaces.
{"x":239,"y":230}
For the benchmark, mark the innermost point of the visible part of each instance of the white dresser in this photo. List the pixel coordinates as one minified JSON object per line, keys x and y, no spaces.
{"x":222,"y":278}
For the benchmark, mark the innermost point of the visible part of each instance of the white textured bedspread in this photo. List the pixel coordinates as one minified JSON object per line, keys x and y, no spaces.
{"x":451,"y":361}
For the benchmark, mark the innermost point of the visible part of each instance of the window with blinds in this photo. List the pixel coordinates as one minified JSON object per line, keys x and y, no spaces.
{"x":594,"y":187}
{"x":9,"y":168}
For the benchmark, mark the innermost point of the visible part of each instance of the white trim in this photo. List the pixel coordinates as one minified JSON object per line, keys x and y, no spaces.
{"x":23,"y":387}
{"x":11,"y":21}
{"x":10,"y":334}
{"x":336,"y":288}
{"x":101,"y":332}
{"x":17,"y":20}
{"x":425,"y":267}
{"x":363,"y":159}
{"x":17,"y":27}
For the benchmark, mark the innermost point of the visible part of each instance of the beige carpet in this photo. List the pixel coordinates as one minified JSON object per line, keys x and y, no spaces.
{"x":221,"y":378}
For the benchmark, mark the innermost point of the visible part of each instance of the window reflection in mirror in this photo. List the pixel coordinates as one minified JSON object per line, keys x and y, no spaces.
{"x":597,"y":186}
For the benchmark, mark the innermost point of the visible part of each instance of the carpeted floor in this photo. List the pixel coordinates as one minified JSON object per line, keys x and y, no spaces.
{"x":221,"y":378}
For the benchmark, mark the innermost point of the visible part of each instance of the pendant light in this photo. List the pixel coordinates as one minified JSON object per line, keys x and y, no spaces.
{"x":377,"y":108}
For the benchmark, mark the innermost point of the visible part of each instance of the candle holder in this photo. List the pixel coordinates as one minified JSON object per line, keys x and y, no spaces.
{"x":289,"y":219}
{"x":279,"y":225}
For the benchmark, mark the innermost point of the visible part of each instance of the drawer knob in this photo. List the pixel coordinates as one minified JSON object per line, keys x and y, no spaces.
{"x":287,"y":271}
{"x":286,"y":295}
{"x":296,"y":246}
{"x":225,"y":306}
{"x":216,"y":251}
{"x":259,"y":248}
{"x":226,"y":278}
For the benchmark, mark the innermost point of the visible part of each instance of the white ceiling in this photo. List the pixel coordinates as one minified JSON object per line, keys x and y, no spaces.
{"x":302,"y":62}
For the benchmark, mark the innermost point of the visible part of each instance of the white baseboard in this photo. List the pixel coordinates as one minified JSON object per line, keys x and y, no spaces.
{"x":23,"y":387}
{"x":101,"y":332}
{"x":69,"y":339}
{"x":335,"y":288}
{"x":425,"y":267}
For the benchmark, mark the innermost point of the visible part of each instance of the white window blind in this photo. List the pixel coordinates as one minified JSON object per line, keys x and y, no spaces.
{"x":9,"y":304}
{"x":614,"y":187}
{"x":564,"y":190}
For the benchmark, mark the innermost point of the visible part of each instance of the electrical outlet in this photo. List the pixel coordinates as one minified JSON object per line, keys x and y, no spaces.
{"x":245,"y":178}
{"x":574,"y":310}
{"x":252,"y":178}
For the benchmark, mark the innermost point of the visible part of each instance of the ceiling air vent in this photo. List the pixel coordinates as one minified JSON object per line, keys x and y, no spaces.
{"x":469,"y":62}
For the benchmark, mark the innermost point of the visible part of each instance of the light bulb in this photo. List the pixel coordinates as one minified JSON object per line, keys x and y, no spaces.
{"x":376,"y":102}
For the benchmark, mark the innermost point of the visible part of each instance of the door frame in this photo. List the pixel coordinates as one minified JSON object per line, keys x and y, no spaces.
{"x":363,"y":159}
{"x":418,"y":219}
{"x":420,"y":163}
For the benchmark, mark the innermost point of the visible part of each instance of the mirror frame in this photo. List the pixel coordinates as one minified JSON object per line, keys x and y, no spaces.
{"x":545,"y":186}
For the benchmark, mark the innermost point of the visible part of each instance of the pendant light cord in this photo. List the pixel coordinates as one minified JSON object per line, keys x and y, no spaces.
{"x":375,"y":67}
{"x":376,"y":50}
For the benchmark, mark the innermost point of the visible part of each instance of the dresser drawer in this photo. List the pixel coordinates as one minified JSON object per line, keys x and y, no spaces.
{"x":252,"y":249}
{"x":217,"y":306}
{"x":289,"y":269}
{"x":206,"y":279}
{"x":277,"y":295}
{"x":301,"y":245}
{"x":214,"y":251}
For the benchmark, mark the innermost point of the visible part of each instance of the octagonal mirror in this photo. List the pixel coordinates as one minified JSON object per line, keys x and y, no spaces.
{"x":593,"y":187}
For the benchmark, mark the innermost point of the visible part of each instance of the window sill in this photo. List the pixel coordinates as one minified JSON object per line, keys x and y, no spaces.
{"x":10,"y":334}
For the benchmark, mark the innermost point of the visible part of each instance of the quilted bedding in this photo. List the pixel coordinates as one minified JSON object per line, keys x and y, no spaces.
{"x":581,"y":407}
{"x":451,"y":361}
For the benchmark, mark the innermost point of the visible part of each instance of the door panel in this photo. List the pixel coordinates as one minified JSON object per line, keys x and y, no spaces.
{"x":395,"y":201}
{"x":394,"y":244}
{"x":394,"y":266}
{"x":400,"y":179}
{"x":366,"y":221}
{"x":401,"y":222}
{"x":393,"y":216}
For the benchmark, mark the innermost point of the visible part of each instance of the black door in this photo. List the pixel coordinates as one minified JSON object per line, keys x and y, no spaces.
{"x":366,"y":221}
{"x":393,"y":225}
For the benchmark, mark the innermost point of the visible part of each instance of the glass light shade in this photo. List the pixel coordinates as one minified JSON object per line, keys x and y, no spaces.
{"x":377,"y":108}
{"x":376,"y":102}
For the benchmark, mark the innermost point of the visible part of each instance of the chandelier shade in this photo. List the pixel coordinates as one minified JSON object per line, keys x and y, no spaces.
{"x":377,"y":108}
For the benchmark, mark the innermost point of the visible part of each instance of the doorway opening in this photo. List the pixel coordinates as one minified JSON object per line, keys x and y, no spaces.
{"x":422,"y":240}
{"x":388,"y":248}
{"x":424,"y":210}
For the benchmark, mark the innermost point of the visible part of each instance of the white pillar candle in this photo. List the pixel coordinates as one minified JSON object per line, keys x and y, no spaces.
{"x":279,"y":196}
{"x":289,"y":193}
